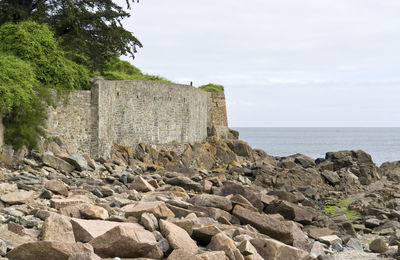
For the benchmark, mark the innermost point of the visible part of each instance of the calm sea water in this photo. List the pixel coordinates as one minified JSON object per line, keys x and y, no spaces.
{"x":382,"y":143}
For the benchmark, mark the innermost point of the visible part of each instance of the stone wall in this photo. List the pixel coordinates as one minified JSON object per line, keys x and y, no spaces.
{"x":70,"y":120}
{"x":130,"y":112}
{"x":217,"y":106}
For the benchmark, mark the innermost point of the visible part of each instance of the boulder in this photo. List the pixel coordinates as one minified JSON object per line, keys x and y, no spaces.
{"x":177,"y":237}
{"x":149,"y":221}
{"x":181,"y":254}
{"x":233,"y":188}
{"x":93,"y":212}
{"x":266,"y":224}
{"x":86,"y":230}
{"x":57,"y":187}
{"x":49,"y":159}
{"x":58,"y":228}
{"x":208,"y":200}
{"x":240,"y":148}
{"x":17,"y":197}
{"x":291,"y":211}
{"x":51,"y":250}
{"x":332,"y":177}
{"x":271,"y":249}
{"x":126,"y":242}
{"x":214,"y":255}
{"x":222,"y":242}
{"x":141,"y":185}
{"x":61,"y":203}
{"x":157,"y":208}
{"x":185,"y":183}
{"x":78,"y":161}
{"x":378,"y":246}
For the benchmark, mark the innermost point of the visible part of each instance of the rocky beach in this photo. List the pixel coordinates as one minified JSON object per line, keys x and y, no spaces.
{"x":219,"y":199}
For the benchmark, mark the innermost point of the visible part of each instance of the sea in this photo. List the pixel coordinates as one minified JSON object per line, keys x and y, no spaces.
{"x":383,"y":144}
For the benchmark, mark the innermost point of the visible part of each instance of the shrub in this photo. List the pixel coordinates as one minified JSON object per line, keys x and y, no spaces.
{"x":212,"y":88}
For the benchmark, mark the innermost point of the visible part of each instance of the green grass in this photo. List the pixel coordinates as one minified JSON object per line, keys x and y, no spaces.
{"x":340,"y":207}
{"x":212,"y":88}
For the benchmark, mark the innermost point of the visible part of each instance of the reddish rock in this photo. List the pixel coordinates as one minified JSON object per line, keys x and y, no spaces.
{"x":51,"y":250}
{"x":57,"y":187}
{"x":93,"y":212}
{"x":17,"y":197}
{"x":58,"y":228}
{"x":272,"y":249}
{"x":177,"y":237}
{"x":157,"y":208}
{"x":141,"y":185}
{"x":291,"y":211}
{"x":127,"y":242}
{"x":86,"y":230}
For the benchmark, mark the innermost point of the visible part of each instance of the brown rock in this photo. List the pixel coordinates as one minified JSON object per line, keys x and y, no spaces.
{"x":181,"y":254}
{"x":11,"y":238}
{"x":177,"y":237}
{"x":57,"y":163}
{"x":224,"y":243}
{"x":236,"y":188}
{"x":204,"y":234}
{"x":208,"y":200}
{"x":378,"y":246}
{"x":86,"y":230}
{"x":94,"y":212}
{"x":214,"y":255}
{"x":58,"y":228}
{"x":291,"y":211}
{"x":265,"y":224}
{"x":51,"y":250}
{"x":141,"y":185}
{"x":157,"y":208}
{"x":61,"y":203}
{"x":8,"y":187}
{"x":125,"y":241}
{"x":17,"y":197}
{"x":57,"y":187}
{"x":272,"y":249}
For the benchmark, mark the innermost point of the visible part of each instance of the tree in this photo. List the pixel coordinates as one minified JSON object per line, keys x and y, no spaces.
{"x":89,"y":30}
{"x":31,"y":63}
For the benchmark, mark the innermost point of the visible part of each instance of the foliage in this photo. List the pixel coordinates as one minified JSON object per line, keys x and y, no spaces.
{"x":212,"y":88}
{"x":340,"y":207}
{"x":36,"y":45}
{"x":117,"y":69}
{"x":16,"y":82}
{"x":89,"y":30}
{"x":30,"y":64}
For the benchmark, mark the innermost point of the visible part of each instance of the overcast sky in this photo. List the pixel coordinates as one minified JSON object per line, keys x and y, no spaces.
{"x":282,"y":62}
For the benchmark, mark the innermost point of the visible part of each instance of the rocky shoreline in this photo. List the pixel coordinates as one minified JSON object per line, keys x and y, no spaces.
{"x":215,"y":200}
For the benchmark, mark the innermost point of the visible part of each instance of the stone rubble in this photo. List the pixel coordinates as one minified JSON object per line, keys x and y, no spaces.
{"x":216,"y":200}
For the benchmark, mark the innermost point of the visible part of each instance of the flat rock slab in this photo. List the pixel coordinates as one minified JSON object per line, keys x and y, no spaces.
{"x":86,"y":230}
{"x":57,"y":187}
{"x":57,"y":163}
{"x":61,"y":203}
{"x":58,"y":228}
{"x":273,"y":249}
{"x":208,"y":200}
{"x":17,"y":197}
{"x":177,"y":237}
{"x":50,"y":250}
{"x":157,"y":208}
{"x":12,"y":239}
{"x":127,"y":242}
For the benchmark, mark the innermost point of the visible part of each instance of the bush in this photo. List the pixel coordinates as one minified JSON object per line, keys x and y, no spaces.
{"x":117,"y":69}
{"x":31,"y":63}
{"x":35,"y":44}
{"x":212,"y":88}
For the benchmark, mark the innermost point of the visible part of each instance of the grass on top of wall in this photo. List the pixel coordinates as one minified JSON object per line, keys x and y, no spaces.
{"x":212,"y":88}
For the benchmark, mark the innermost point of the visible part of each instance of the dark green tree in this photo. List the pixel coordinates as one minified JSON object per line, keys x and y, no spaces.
{"x":89,"y":30}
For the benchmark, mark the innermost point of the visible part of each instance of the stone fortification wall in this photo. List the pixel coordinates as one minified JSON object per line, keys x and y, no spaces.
{"x":217,"y":107}
{"x":70,"y":120}
{"x":131,"y":112}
